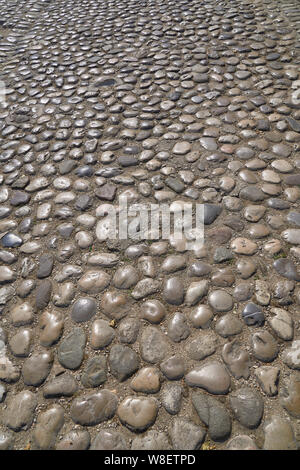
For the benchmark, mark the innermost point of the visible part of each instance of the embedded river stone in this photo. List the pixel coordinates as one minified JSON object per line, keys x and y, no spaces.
{"x":20,"y":411}
{"x":213,"y":414}
{"x":138,"y":413}
{"x":212,"y":376}
{"x":83,"y":309}
{"x":123,"y":361}
{"x":94,"y":408}
{"x":71,"y":350}
{"x":184,"y":111}
{"x":247,"y":406}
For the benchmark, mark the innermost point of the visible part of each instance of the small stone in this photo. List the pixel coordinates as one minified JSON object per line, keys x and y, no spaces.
{"x":49,"y":423}
{"x":241,"y":442}
{"x":146,"y":381}
{"x":102,"y":334}
{"x":25,"y":402}
{"x":173,"y":368}
{"x":247,"y":406}
{"x":228,"y":325}
{"x":253,"y":315}
{"x":289,"y":395}
{"x":212,"y":376}
{"x":152,"y":440}
{"x":203,"y":344}
{"x":267,"y":377}
{"x":178,"y":328}
{"x":185,"y":435}
{"x":213,"y":414}
{"x":279,"y":434}
{"x":220,"y":301}
{"x":71,"y":349}
{"x":83,"y":309}
{"x":291,"y":355}
{"x":123,"y":361}
{"x":153,"y":345}
{"x":94,"y":408}
{"x":282,"y":323}
{"x":264,"y":346}
{"x":109,"y":439}
{"x":138,"y":413}
{"x":74,"y":440}
{"x":94,"y":373}
{"x":51,"y":326}
{"x":62,"y":386}
{"x":43,"y":294}
{"x":237,"y":360}
{"x":171,"y":396}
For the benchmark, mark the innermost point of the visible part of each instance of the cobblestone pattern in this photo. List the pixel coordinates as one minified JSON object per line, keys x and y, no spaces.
{"x":121,"y":344}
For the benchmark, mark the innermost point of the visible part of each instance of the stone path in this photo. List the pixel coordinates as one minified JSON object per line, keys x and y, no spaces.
{"x":145,"y":344}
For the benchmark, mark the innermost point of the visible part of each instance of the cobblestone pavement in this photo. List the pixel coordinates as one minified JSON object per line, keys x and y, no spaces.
{"x":145,"y":344}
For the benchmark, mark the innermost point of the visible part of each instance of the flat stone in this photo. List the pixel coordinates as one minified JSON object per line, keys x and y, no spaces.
{"x":62,"y":386}
{"x":228,"y":325}
{"x":48,"y":425}
{"x":220,"y":301}
{"x":125,"y":277}
{"x":51,"y":326}
{"x":282,"y":323}
{"x":94,"y":408}
{"x":186,"y":435}
{"x":173,"y":367}
{"x":171,"y":396}
{"x":173,"y":291}
{"x":94,"y":372}
{"x":102,"y":334}
{"x":264,"y":346}
{"x":178,"y":329}
{"x":247,"y":406}
{"x":286,"y":268}
{"x":83,"y":309}
{"x":268,"y":377}
{"x":138,"y":413}
{"x":93,"y":282}
{"x":202,"y":345}
{"x":291,"y":355}
{"x":212,"y":377}
{"x":153,"y":345}
{"x":279,"y":434}
{"x":213,"y":414}
{"x":74,"y":440}
{"x":236,"y":359}
{"x":152,"y":440}
{"x":71,"y":350}
{"x":289,"y":395}
{"x":243,"y":246}
{"x":241,"y":442}
{"x":211,"y":212}
{"x":43,"y":294}
{"x":109,"y":439}
{"x":123,"y":361}
{"x":147,"y":380}
{"x":25,"y":403}
{"x":253,"y":315}
{"x":36,"y":368}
